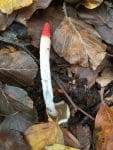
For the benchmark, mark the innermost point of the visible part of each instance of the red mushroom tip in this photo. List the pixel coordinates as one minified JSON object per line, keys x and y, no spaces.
{"x":46,"y":30}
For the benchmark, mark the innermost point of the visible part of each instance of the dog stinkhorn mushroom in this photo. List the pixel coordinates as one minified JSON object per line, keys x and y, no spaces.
{"x":45,"y":44}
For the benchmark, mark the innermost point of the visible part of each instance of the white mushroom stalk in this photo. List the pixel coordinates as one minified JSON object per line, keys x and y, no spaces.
{"x":45,"y":44}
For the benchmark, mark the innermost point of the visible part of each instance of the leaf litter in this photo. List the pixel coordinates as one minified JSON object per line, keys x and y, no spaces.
{"x":79,"y":61}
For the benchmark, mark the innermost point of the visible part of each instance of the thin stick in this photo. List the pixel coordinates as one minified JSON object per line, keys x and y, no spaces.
{"x":70,"y":99}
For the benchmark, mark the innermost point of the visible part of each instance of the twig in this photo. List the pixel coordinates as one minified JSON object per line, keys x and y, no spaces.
{"x":23,"y":47}
{"x":70,"y":99}
{"x":108,"y":54}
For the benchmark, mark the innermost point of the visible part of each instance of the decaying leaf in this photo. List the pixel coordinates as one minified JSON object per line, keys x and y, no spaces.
{"x":59,"y":147}
{"x":44,"y":134}
{"x":26,"y":13}
{"x":102,"y":19}
{"x":8,"y":6}
{"x":104,"y":128}
{"x":78,"y":43}
{"x":105,"y":77}
{"x":91,"y":4}
{"x":17,"y":67}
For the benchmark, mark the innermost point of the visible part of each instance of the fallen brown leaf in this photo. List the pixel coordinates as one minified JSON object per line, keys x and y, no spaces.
{"x":78,"y":43}
{"x":104,"y":128}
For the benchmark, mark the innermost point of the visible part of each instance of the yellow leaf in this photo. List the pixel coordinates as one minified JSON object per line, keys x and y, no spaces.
{"x":44,"y":134}
{"x":7,"y":6}
{"x":91,"y":4}
{"x":60,"y":147}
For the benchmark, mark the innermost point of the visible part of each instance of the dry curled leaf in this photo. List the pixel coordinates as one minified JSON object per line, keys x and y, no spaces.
{"x":104,"y":128}
{"x":63,"y":112}
{"x":8,"y":6}
{"x":78,"y":43}
{"x":17,"y":67}
{"x":91,"y":4}
{"x":44,"y":134}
